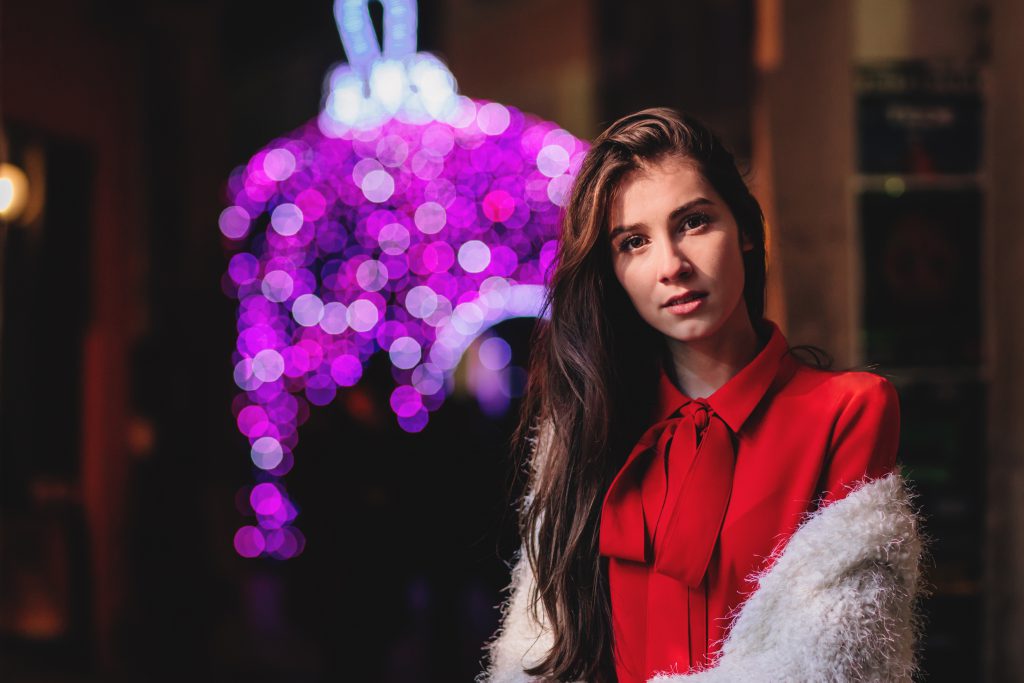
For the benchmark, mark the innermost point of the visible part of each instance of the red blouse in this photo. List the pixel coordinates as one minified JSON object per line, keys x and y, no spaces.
{"x":716,"y":483}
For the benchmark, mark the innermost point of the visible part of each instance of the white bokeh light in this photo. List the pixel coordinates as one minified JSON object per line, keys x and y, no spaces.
{"x":286,"y":219}
{"x":552,"y":161}
{"x":474,"y":256}
{"x":307,"y":310}
{"x":279,"y":164}
{"x":393,"y":239}
{"x":378,"y":186}
{"x":405,"y":352}
{"x":268,"y":365}
{"x":492,"y":118}
{"x":267,"y":453}
{"x":362,"y":315}
{"x":234,"y":222}
{"x":372,"y":275}
{"x":430,"y":217}
{"x":335,"y":318}
{"x":421,"y":301}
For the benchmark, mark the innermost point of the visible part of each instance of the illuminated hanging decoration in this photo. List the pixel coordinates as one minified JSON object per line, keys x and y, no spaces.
{"x":406,"y":219}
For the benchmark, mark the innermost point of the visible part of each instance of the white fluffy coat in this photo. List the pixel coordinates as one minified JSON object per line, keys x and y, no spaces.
{"x":838,"y":602}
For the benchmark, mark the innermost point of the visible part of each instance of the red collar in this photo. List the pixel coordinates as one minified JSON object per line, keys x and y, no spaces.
{"x":737,"y":398}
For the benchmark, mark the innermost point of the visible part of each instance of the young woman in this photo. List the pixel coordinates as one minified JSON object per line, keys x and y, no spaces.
{"x":701,"y":504}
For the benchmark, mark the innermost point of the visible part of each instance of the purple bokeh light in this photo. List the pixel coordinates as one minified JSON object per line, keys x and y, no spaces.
{"x":469,"y":216}
{"x":404,"y":226}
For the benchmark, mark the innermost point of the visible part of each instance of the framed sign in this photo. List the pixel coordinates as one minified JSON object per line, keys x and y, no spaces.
{"x":916,"y":118}
{"x":921,"y":294}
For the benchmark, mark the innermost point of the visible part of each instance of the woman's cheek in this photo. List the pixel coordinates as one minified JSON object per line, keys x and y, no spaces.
{"x":630,"y":279}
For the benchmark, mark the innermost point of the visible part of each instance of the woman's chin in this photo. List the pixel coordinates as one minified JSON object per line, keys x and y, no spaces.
{"x":688,"y":331}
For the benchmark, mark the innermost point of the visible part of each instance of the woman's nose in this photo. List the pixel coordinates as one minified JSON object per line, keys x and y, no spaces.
{"x":673,"y":263}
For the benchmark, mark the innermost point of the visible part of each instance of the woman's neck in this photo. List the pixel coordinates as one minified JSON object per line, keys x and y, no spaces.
{"x":701,"y":367}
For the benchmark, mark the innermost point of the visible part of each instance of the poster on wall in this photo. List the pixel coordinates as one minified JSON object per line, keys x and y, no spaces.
{"x":921,"y":294}
{"x":916,"y":118}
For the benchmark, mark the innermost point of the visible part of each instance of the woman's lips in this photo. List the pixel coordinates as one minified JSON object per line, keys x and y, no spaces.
{"x":683,"y":307}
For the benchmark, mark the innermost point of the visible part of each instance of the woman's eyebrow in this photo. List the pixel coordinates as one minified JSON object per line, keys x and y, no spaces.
{"x":676,"y":212}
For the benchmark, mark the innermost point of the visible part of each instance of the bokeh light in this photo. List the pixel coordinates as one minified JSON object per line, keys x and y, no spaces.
{"x":249,"y":541}
{"x":278,"y":164}
{"x":234,"y":222}
{"x":265,"y":498}
{"x":267,"y":453}
{"x":14,"y":192}
{"x":409,"y":222}
{"x":495,"y":353}
{"x":286,"y":219}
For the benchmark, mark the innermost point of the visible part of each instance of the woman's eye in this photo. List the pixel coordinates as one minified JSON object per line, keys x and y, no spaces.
{"x":696,"y":220}
{"x":630,"y":243}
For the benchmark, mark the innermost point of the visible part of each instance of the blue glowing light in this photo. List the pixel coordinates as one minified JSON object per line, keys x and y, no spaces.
{"x":375,"y":86}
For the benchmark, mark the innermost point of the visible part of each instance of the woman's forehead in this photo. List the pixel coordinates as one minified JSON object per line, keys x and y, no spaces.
{"x":657,"y":187}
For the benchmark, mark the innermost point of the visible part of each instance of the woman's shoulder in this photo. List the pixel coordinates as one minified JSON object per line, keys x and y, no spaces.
{"x":839,"y":389}
{"x":853,"y":416}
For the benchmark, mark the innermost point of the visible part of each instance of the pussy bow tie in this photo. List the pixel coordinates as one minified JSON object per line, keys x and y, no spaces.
{"x":698,"y":447}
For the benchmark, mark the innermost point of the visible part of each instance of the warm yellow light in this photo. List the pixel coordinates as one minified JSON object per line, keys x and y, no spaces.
{"x":895,"y":187}
{"x":13,"y":191}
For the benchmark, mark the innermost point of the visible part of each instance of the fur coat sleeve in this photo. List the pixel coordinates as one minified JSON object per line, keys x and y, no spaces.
{"x":838,"y":602}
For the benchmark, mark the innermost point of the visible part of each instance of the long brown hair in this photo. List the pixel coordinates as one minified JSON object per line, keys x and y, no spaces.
{"x":592,"y":380}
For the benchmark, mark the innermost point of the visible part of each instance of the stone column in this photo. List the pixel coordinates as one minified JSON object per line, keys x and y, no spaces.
{"x":805,"y":107}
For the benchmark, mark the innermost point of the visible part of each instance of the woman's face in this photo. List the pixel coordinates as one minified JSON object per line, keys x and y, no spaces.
{"x":673,"y":238}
